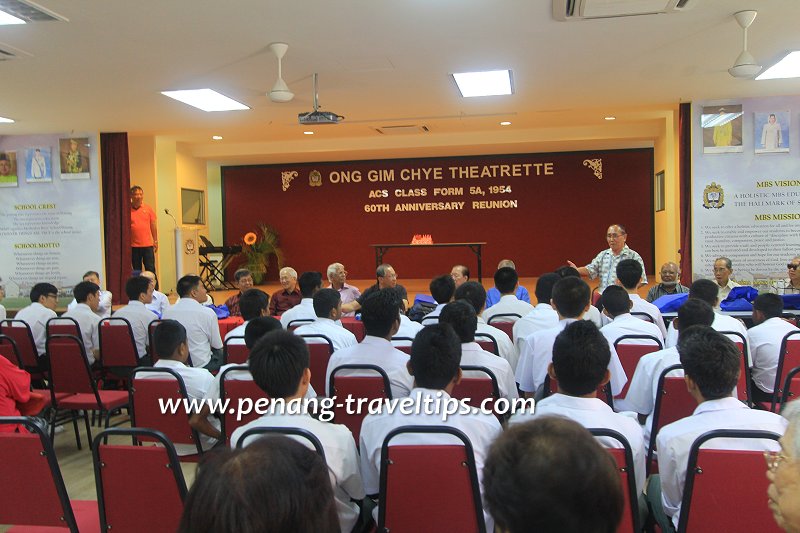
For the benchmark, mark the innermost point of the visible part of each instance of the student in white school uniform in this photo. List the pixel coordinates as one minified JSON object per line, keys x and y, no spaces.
{"x":310,"y":283}
{"x":104,"y":305}
{"x":160,"y":301}
{"x":462,"y":318}
{"x":707,"y":290}
{"x":434,"y":363}
{"x":202,"y":327}
{"x":87,"y":294}
{"x":592,"y":313}
{"x":525,"y":491}
{"x":442,"y":289}
{"x":253,"y":303}
{"x":380,"y":313}
{"x":571,"y":300}
{"x":140,"y":293}
{"x":641,"y":396}
{"x":475,"y":294}
{"x":328,"y":308}
{"x":279,"y":364}
{"x":617,"y":307}
{"x":765,"y":343}
{"x":629,"y":276}
{"x":580,"y":364}
{"x":44,"y":299}
{"x":711,"y":365}
{"x":172,"y":347}
{"x":506,"y":280}
{"x":543,"y":316}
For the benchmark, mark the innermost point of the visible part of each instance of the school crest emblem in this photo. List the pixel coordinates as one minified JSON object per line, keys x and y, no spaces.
{"x":713,"y":196}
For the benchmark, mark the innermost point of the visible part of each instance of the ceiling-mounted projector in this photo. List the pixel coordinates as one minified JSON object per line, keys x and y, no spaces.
{"x":317,"y":116}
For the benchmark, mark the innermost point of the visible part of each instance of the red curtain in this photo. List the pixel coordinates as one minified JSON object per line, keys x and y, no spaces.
{"x":116,"y":211}
{"x":685,"y":181}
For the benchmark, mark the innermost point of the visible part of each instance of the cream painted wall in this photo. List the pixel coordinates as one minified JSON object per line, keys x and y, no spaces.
{"x":667,"y":222}
{"x":214,"y":196}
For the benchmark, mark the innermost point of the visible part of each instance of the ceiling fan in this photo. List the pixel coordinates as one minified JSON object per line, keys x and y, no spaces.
{"x":745,"y":65}
{"x":280,"y":92}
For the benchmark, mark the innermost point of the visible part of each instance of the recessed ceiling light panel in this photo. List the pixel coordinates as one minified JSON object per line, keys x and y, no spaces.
{"x":788,"y":67}
{"x":6,"y":120}
{"x":489,"y":83}
{"x":216,"y":137}
{"x":8,"y":18}
{"x":505,"y":123}
{"x":308,"y":133}
{"x":206,"y":99}
{"x":610,"y":118}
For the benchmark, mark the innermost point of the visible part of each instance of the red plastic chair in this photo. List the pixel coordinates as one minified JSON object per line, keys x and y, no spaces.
{"x":63,"y":325}
{"x":743,"y":385}
{"x":791,"y":387}
{"x":33,"y":491}
{"x":643,"y":316}
{"x":72,"y":386}
{"x":234,"y":390}
{"x":673,"y":402}
{"x":145,"y":393}
{"x":151,"y":347}
{"x":403,"y":348}
{"x":284,"y":431}
{"x":789,"y":358}
{"x":630,"y":352}
{"x":118,"y":352}
{"x":320,"y":349}
{"x":367,"y":387}
{"x":506,"y":326}
{"x":477,"y":389}
{"x":235,"y":352}
{"x":8,"y":349}
{"x":596,"y":296}
{"x":623,"y":457}
{"x":429,"y":487}
{"x":487,"y":343}
{"x":715,"y":498}
{"x":20,"y":331}
{"x":139,"y":488}
{"x":297,"y":322}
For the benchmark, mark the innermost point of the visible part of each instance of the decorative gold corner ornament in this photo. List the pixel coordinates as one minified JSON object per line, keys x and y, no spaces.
{"x":596,"y":165}
{"x":713,"y":196}
{"x":315,"y":179}
{"x":287,"y":177}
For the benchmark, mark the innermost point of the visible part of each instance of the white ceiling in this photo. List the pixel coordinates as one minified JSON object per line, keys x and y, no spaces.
{"x":380,"y":63}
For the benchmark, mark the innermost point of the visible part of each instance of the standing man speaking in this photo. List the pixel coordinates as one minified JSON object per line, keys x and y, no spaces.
{"x":144,"y":233}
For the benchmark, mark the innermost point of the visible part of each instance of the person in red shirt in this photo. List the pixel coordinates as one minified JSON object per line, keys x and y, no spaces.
{"x":16,"y":398}
{"x":144,"y":233}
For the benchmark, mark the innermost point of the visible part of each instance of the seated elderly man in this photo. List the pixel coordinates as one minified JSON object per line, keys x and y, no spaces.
{"x":723,"y":268}
{"x":104,"y":307}
{"x":289,"y":296}
{"x":790,"y":285}
{"x":160,"y":302}
{"x":386,"y":278}
{"x":243,"y":279}
{"x":337,"y":276}
{"x":493,"y":295}
{"x":460,"y":274}
{"x":670,"y":282}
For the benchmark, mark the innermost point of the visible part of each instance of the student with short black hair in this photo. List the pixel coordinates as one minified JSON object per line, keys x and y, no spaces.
{"x":523,"y":494}
{"x":201,"y":323}
{"x":711,"y":365}
{"x":475,"y":294}
{"x":309,"y":283}
{"x":617,"y":307}
{"x":104,"y":305}
{"x":171,"y":345}
{"x":328,"y":309}
{"x":442,"y":289}
{"x":380,"y":313}
{"x":252,"y":304}
{"x":542,"y":316}
{"x":571,"y":300}
{"x":580,"y":365}
{"x":629,"y":275}
{"x":765,"y":344}
{"x":44,"y":299}
{"x":274,"y":485}
{"x":506,"y":282}
{"x":140,"y":293}
{"x":279,"y":364}
{"x":434,"y":363}
{"x":462,"y":318}
{"x":243,"y":279}
{"x":87,"y":294}
{"x":707,"y":291}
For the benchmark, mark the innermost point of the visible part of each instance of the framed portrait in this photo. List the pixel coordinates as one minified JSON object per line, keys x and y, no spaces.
{"x":74,"y":158}
{"x":8,"y":169}
{"x":38,"y":163}
{"x":722,"y":129}
{"x":771,"y":132}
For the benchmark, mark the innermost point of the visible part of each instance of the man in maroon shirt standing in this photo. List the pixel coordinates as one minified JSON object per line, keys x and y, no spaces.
{"x":144,"y":233}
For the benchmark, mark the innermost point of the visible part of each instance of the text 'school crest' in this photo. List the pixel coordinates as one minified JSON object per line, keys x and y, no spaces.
{"x":287,"y":177}
{"x":713,"y":196}
{"x":315,"y":179}
{"x":596,"y":165}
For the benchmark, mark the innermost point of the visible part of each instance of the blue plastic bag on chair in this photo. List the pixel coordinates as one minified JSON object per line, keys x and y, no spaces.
{"x":222,"y":311}
{"x":670,"y":303}
{"x":739,"y":299}
{"x":791,"y":301}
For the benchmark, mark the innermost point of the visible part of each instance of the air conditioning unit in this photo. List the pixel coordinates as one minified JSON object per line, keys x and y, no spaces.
{"x":566,"y":10}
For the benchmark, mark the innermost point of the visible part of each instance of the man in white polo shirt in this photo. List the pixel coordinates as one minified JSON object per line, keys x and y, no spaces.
{"x":328,"y":308}
{"x":617,"y":306}
{"x":310,"y":283}
{"x":202,"y":328}
{"x":104,"y":307}
{"x":87,"y":294}
{"x":765,"y":343}
{"x":44,"y":299}
{"x":506,"y":281}
{"x":140,"y":293}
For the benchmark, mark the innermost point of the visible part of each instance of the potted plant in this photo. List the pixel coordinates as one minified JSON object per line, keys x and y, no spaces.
{"x":257,"y":247}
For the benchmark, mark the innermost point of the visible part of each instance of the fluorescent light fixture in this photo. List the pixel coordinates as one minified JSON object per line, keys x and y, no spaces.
{"x":206,"y":99}
{"x":610,"y":118}
{"x":505,"y":123}
{"x":490,"y":83}
{"x":308,"y":133}
{"x":788,"y":67}
{"x":717,"y":119}
{"x":8,"y":18}
{"x":217,"y":137}
{"x":7,"y":120}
